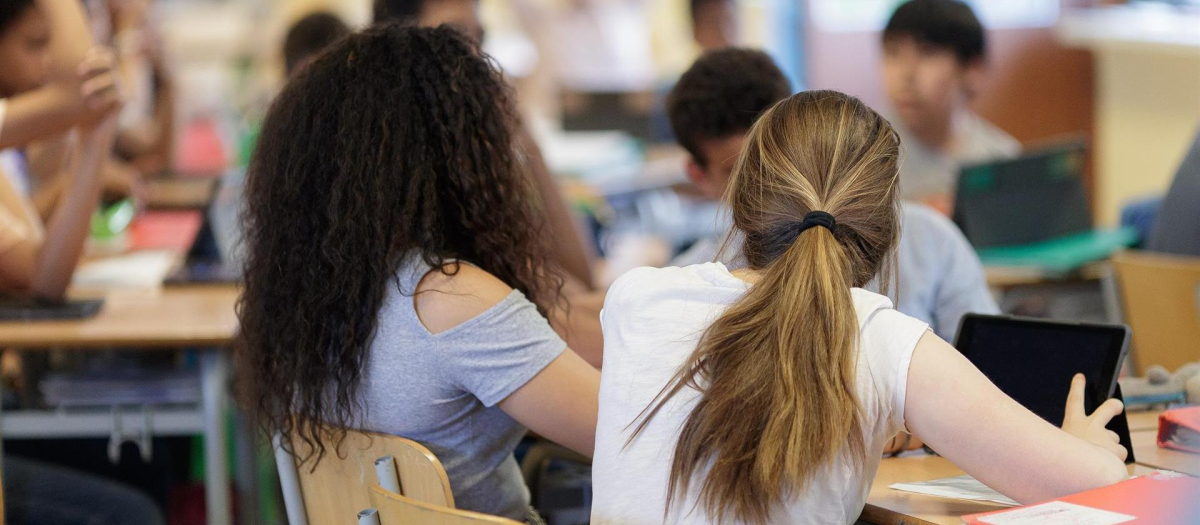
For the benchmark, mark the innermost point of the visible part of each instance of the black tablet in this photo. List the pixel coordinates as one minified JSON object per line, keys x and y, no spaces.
{"x":204,"y":272}
{"x":1033,"y":361}
{"x":27,"y":309}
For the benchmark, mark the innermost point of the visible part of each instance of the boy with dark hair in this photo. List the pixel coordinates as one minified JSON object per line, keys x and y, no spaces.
{"x":933,"y":64}
{"x":714,"y":23}
{"x":713,"y":107}
{"x":309,"y":36}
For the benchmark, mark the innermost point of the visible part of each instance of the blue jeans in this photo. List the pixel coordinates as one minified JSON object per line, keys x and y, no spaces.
{"x":44,"y":494}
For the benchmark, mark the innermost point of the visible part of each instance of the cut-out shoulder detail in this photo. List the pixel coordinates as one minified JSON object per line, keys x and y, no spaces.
{"x":445,"y":301}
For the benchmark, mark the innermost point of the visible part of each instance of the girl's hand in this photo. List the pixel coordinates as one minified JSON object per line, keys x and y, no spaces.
{"x":1091,"y":428}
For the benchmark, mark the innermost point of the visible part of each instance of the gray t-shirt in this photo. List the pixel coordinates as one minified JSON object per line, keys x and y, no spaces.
{"x":441,"y":390}
{"x":926,"y":171}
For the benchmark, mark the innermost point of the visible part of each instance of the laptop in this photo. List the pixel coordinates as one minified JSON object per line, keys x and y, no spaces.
{"x":1033,"y":210}
{"x":1033,"y":361}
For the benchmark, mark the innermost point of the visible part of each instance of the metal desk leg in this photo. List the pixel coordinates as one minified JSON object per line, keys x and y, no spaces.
{"x":214,"y":371}
{"x":245,"y":471}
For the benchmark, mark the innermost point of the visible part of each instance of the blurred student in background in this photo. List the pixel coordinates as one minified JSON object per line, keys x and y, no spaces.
{"x":1177,"y":228}
{"x":460,"y":14}
{"x":713,"y":107}
{"x":146,"y":126}
{"x":388,"y":207}
{"x":44,"y":97}
{"x":569,"y":251}
{"x":37,"y":260}
{"x":715,"y":23}
{"x":145,"y":139}
{"x":51,"y":84}
{"x":934,"y":54}
{"x":309,"y":36}
{"x":714,"y":26}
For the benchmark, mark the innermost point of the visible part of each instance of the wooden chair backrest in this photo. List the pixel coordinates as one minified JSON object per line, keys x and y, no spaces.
{"x":340,"y":484}
{"x":395,"y":509}
{"x":1160,"y":296}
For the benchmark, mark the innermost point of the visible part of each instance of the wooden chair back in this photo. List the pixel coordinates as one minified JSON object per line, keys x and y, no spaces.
{"x":340,"y":483}
{"x":1160,"y":299}
{"x":395,"y":509}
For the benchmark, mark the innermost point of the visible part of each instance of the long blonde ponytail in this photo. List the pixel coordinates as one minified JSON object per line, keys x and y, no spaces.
{"x":777,"y":370}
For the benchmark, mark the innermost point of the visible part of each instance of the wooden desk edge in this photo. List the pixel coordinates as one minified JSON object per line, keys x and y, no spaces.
{"x":1004,"y":277}
{"x":882,"y":516}
{"x":134,"y":343}
{"x":195,"y":316}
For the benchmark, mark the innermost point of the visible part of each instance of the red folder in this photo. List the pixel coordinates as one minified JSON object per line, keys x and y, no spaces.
{"x":1179,"y":429}
{"x":165,"y":230}
{"x":1160,"y":497}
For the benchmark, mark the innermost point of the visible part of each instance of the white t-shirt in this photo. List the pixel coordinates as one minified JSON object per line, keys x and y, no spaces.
{"x":653,"y":319}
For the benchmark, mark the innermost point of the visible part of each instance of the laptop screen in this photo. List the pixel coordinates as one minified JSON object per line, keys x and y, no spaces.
{"x":1033,"y":362}
{"x":1035,"y":197}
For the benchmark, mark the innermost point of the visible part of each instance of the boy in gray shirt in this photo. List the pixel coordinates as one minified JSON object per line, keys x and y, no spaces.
{"x":933,"y":64}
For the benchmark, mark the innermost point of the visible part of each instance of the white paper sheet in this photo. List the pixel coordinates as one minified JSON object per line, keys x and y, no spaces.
{"x":1057,"y":512}
{"x":137,"y":269}
{"x":960,"y":487}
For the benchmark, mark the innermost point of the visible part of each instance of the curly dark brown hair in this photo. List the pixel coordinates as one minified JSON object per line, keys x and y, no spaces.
{"x":722,"y":94}
{"x":396,"y":140}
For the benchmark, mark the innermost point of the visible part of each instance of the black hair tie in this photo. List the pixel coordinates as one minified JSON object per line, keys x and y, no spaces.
{"x":816,"y":218}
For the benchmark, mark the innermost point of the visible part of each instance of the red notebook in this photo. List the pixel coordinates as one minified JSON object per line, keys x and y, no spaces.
{"x":1179,"y":429}
{"x":165,"y":230}
{"x":1161,"y":497}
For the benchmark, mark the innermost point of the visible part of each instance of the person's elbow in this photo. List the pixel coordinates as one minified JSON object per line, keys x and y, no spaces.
{"x":1105,"y":470}
{"x":1110,"y":470}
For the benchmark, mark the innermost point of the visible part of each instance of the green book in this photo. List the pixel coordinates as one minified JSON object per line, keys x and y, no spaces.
{"x":1062,"y":254}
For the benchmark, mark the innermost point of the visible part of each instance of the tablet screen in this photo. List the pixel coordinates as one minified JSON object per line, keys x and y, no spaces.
{"x":1033,"y":361}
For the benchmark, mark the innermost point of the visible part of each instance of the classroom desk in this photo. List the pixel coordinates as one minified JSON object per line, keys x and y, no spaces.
{"x":171,"y":318}
{"x":1143,"y":420}
{"x":887,"y":506}
{"x":1147,"y":453}
{"x":1004,"y":277}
